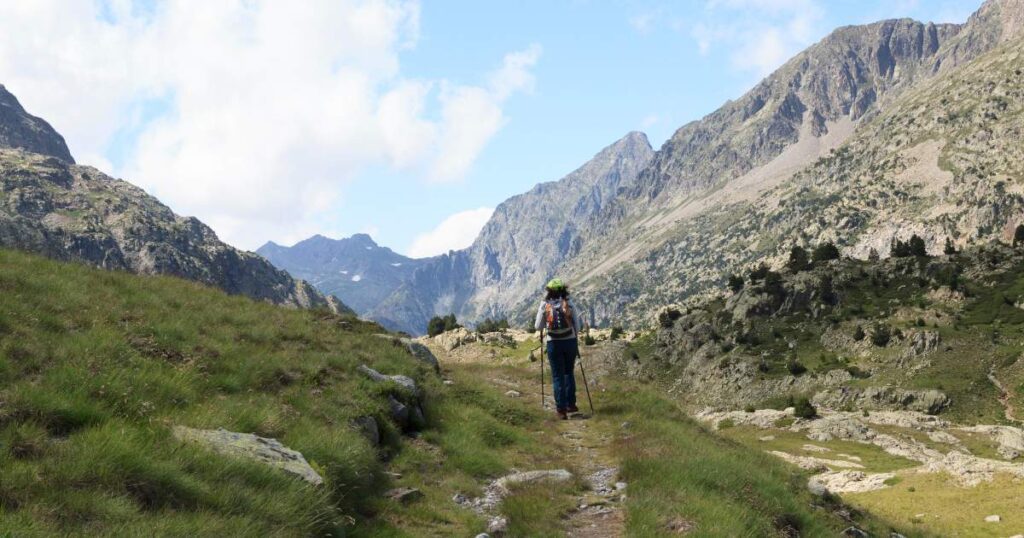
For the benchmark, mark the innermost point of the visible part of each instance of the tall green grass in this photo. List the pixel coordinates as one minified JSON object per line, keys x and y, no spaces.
{"x":96,"y":366}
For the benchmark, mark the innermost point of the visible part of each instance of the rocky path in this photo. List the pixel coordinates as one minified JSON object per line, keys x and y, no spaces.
{"x":1004,"y":397}
{"x":598,"y":512}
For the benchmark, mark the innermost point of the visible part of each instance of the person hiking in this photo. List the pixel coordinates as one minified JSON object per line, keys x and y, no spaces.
{"x":559,"y":318}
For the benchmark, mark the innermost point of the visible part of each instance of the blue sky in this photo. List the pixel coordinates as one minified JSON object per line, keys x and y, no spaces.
{"x":389,"y":117}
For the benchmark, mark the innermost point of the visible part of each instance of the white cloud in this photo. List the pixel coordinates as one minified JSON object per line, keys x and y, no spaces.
{"x":264,"y":108}
{"x":650,"y":121}
{"x":472,"y":115}
{"x":643,"y":22}
{"x":760,"y":35}
{"x":455,"y":232}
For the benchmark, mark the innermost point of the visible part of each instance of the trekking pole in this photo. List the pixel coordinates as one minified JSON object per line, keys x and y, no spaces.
{"x":542,"y":368}
{"x":585,"y":384}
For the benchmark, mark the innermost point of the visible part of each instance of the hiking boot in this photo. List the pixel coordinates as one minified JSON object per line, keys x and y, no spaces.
{"x":573,"y":409}
{"x":562,"y":414}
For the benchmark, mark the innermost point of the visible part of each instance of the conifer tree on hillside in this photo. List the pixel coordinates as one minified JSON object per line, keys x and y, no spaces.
{"x":949,"y":249}
{"x":798,"y":260}
{"x":825,"y":252}
{"x":899,"y":249}
{"x":917,"y":247}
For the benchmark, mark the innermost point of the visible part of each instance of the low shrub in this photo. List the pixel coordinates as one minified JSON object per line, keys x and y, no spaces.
{"x":803,"y":408}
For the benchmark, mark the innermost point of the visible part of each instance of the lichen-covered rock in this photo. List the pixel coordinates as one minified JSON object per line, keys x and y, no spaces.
{"x":454,"y":338}
{"x":403,"y":381}
{"x":1010,"y":439}
{"x":416,"y":349}
{"x":252,"y":447}
{"x":848,"y":482}
{"x":404,"y":495}
{"x":883,"y":398}
{"x":368,"y":426}
{"x":923,"y":342}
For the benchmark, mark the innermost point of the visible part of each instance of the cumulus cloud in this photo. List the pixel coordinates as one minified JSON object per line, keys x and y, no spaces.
{"x":453,"y":233}
{"x":472,"y":115}
{"x":249,"y":114}
{"x":760,"y":34}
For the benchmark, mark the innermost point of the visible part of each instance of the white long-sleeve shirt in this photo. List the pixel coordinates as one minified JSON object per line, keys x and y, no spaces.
{"x":541,"y":322}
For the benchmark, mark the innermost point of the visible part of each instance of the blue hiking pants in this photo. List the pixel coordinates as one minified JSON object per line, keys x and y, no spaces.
{"x":562,"y":358}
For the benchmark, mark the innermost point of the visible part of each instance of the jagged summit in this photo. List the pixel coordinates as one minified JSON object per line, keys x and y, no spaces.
{"x":356,"y":269}
{"x":21,"y":130}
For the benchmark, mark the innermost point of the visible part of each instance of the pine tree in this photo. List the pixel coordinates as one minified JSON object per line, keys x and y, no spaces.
{"x":949,"y":249}
{"x":917,"y":247}
{"x":825,"y":252}
{"x":899,"y":249}
{"x":798,"y":260}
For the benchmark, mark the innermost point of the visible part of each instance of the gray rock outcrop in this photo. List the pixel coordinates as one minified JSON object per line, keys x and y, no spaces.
{"x":419,"y":351}
{"x":883,"y":398}
{"x":252,"y":447}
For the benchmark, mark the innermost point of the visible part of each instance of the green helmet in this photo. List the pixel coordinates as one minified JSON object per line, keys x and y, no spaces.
{"x":555,"y":284}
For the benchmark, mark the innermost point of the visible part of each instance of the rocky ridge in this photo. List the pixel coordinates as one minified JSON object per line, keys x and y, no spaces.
{"x":355,"y":269}
{"x":737,"y":186}
{"x":924,"y":158}
{"x":521,"y":246}
{"x":51,"y":206}
{"x":19,"y":129}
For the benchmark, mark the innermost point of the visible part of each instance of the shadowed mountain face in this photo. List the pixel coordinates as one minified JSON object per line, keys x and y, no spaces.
{"x":50,"y":206}
{"x":356,"y":269}
{"x":19,"y":129}
{"x":659,"y":228}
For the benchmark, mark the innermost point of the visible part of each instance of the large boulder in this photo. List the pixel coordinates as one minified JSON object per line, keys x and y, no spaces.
{"x":253,"y":447}
{"x":416,"y":349}
{"x":454,"y":338}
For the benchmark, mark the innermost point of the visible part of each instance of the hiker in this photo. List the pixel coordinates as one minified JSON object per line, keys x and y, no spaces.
{"x":558,"y":317}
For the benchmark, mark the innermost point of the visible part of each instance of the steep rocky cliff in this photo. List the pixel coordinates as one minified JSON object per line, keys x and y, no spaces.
{"x":942,"y":160}
{"x":51,"y":206}
{"x":356,"y":269}
{"x":19,"y":129}
{"x":522,"y":245}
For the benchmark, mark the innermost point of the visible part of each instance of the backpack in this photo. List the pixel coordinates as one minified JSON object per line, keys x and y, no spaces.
{"x":558,"y":316}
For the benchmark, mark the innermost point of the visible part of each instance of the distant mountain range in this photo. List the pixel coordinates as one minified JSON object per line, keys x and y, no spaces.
{"x":877,"y":132}
{"x":50,"y":205}
{"x":357,"y":270}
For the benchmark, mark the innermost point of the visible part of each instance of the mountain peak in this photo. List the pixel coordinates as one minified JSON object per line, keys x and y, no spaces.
{"x":21,"y":130}
{"x":1006,"y":16}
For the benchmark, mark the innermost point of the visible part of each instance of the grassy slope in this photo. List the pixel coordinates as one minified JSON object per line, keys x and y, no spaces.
{"x":680,"y":473}
{"x":96,"y":366}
